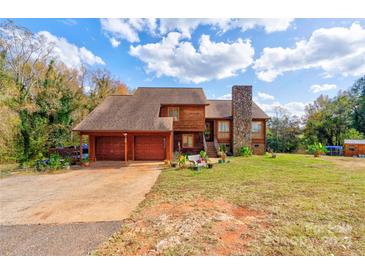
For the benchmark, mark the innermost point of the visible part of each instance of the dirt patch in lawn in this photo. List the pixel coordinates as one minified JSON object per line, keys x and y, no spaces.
{"x":348,"y":162}
{"x":201,"y":227}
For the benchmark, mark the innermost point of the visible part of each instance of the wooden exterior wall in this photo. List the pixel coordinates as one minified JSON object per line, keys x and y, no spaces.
{"x":198,"y":142}
{"x":191,"y":118}
{"x":226,"y":141}
{"x":259,"y":144}
{"x":130,"y":142}
{"x":223,"y":140}
{"x":350,"y":150}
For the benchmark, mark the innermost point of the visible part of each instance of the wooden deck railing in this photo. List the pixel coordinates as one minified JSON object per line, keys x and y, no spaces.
{"x":205,"y":143}
{"x":216,"y":145}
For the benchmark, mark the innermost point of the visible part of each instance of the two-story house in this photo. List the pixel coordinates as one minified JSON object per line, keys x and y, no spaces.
{"x":153,"y":123}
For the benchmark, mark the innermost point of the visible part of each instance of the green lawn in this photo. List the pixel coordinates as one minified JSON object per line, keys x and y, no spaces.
{"x":291,"y":205}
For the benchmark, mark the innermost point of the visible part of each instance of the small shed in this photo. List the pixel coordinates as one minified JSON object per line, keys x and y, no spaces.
{"x":354,"y":148}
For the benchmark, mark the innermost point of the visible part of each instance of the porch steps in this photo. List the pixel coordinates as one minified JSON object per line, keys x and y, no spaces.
{"x":211,"y":151}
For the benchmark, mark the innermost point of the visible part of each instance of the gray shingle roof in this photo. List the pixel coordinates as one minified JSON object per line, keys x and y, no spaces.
{"x":140,"y":111}
{"x":164,"y":96}
{"x":223,"y":109}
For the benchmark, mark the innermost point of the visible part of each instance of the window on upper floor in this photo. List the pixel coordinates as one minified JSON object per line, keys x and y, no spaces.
{"x":257,"y":130}
{"x":223,"y":130}
{"x":173,"y":112}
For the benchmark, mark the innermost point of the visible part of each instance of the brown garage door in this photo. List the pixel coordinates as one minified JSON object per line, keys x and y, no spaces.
{"x":109,"y":148}
{"x":149,"y":148}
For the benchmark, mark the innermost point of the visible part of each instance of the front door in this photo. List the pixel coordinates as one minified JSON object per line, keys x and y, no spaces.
{"x":209,"y":131}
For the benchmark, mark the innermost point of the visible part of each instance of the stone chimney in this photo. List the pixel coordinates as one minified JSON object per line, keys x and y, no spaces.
{"x":242,"y":117}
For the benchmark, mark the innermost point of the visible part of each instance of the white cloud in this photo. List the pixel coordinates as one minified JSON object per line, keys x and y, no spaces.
{"x":179,"y":59}
{"x":115,"y":43}
{"x":187,"y":25}
{"x":322,"y":88}
{"x":337,"y":51}
{"x":293,"y":108}
{"x":71,"y":55}
{"x":127,"y":29}
{"x":265,"y":96}
{"x":226,"y":97}
{"x":270,"y":25}
{"x":69,"y":22}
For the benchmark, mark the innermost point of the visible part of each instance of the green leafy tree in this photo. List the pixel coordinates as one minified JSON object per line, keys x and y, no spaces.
{"x":9,"y":120}
{"x":283,"y":132}
{"x":41,"y":99}
{"x":358,"y":92}
{"x":328,"y":120}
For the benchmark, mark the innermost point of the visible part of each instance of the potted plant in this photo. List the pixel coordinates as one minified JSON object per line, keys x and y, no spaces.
{"x":197,"y":167}
{"x":317,"y":149}
{"x":222,"y":154}
{"x":85,"y":162}
{"x":210,"y":164}
{"x":203,"y":155}
{"x":223,"y":157}
{"x":181,"y":160}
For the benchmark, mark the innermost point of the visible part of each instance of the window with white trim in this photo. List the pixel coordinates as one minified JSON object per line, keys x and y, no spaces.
{"x":173,"y":112}
{"x":257,"y":130}
{"x":223,"y":130}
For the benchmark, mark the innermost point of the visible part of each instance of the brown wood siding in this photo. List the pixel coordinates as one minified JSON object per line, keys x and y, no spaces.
{"x":198,"y":142}
{"x":109,"y":148}
{"x":149,"y":147}
{"x":259,"y":144}
{"x":353,"y":149}
{"x":191,"y":118}
{"x":223,"y":140}
{"x":263,"y":133}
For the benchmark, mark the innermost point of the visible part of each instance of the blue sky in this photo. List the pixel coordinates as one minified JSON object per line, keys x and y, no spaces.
{"x":289,"y":62}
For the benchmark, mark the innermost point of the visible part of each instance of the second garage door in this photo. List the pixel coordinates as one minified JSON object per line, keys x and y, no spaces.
{"x":149,"y":148}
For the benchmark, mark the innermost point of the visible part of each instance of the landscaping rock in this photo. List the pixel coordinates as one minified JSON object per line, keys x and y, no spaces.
{"x":168,"y":243}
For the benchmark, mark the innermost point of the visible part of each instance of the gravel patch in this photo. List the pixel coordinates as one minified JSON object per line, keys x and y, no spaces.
{"x":54,"y":239}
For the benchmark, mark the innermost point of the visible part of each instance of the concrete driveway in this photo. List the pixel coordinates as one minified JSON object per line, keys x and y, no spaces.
{"x":60,"y":206}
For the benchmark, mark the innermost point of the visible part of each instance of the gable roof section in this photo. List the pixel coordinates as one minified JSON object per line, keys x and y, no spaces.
{"x":125,"y":113}
{"x":171,"y":96}
{"x":223,"y":109}
{"x":140,"y":111}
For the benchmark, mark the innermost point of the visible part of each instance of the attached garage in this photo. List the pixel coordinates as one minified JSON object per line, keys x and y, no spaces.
{"x":112,"y":146}
{"x":109,"y":148}
{"x":149,"y":147}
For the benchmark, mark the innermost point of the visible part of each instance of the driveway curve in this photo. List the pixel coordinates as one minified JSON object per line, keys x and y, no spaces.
{"x":58,"y":206}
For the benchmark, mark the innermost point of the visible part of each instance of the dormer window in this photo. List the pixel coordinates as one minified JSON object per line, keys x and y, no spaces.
{"x":173,"y":112}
